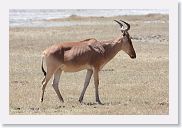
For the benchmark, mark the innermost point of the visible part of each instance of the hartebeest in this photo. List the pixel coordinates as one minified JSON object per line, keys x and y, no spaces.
{"x":88,"y":54}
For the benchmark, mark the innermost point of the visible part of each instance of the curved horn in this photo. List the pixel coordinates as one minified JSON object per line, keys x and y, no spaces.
{"x":128,"y":25}
{"x":121,"y":25}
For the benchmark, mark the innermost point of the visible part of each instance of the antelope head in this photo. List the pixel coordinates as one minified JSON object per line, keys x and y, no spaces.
{"x":126,"y":43}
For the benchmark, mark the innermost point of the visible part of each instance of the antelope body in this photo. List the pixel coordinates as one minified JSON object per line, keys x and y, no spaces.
{"x":88,"y":54}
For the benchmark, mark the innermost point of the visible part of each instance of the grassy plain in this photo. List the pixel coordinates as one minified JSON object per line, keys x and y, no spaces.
{"x":127,"y":87}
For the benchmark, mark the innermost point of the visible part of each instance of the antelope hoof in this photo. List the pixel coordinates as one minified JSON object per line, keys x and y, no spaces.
{"x":62,"y":101}
{"x":80,"y":100}
{"x":100,"y":103}
{"x":41,"y":100}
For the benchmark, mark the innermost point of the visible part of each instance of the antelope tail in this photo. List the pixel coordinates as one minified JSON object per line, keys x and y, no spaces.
{"x":43,"y":67}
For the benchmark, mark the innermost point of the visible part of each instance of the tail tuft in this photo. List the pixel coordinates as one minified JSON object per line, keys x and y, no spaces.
{"x":43,"y":68}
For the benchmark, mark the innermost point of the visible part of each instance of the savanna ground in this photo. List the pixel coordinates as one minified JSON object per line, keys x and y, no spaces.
{"x":127,"y":86}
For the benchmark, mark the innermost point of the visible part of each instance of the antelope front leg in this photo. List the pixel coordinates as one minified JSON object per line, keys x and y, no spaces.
{"x":96,"y":82}
{"x":87,"y":81}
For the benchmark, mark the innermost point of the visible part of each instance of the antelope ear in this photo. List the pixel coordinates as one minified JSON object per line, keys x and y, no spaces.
{"x":124,"y":33}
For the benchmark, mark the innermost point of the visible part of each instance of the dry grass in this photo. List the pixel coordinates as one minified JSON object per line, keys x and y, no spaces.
{"x":127,"y":86}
